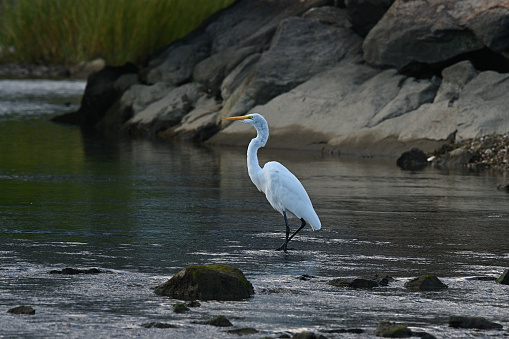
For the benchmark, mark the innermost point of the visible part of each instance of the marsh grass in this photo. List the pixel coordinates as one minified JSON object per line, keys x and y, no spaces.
{"x":71,"y":31}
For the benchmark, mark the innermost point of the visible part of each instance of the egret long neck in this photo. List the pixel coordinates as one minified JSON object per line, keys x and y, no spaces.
{"x":253,"y":166}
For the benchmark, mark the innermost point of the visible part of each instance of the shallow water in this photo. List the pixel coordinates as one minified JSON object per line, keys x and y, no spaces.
{"x":144,"y":210}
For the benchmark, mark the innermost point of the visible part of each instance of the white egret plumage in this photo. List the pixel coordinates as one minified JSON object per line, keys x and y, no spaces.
{"x":283,"y":190}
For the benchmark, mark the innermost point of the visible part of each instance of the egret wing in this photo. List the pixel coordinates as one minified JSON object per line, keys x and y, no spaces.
{"x":285,"y":192}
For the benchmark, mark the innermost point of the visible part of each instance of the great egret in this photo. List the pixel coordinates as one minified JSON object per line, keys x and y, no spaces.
{"x":283,"y":190}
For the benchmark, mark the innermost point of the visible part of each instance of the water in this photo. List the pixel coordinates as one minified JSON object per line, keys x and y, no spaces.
{"x":144,"y":210}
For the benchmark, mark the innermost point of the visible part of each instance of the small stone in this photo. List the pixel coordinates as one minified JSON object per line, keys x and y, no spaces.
{"x":354,"y":283}
{"x":180,"y":308}
{"x":504,"y":278}
{"x":423,"y":335}
{"x":193,"y":303}
{"x":473,"y":322}
{"x":22,"y":310}
{"x":308,"y":335}
{"x":159,"y":325}
{"x":305,"y":277}
{"x":425,"y":283}
{"x":219,"y":321}
{"x":387,"y":329}
{"x":243,"y":331}
{"x":73,"y":271}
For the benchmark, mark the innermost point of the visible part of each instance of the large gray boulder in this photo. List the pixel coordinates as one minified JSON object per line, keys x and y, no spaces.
{"x":299,"y":49}
{"x":435,"y":31}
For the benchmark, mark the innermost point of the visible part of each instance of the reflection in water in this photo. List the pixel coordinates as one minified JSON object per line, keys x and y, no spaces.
{"x":143,"y":210}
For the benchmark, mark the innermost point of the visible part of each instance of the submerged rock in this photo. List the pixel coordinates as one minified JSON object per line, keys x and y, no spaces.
{"x":473,"y":322}
{"x":354,"y":283}
{"x":159,"y":325}
{"x":22,"y":310}
{"x":72,"y":271}
{"x":193,"y":303}
{"x":219,"y":321}
{"x":243,"y":331}
{"x":180,"y":308}
{"x":345,"y":330}
{"x":207,"y":282}
{"x":504,"y":278}
{"x":425,"y":283}
{"x":308,"y":335}
{"x":387,"y":329}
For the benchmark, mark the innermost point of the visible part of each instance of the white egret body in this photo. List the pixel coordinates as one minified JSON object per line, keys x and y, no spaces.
{"x":283,"y":190}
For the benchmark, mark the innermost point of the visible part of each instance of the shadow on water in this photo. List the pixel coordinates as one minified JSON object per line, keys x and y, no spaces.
{"x":144,"y":210}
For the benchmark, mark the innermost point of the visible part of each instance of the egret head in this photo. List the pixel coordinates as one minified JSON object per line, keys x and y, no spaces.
{"x":255,"y":119}
{"x":258,"y":121}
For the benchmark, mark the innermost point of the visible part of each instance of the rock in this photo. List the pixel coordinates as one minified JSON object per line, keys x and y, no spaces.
{"x":423,"y":335}
{"x":199,"y":124}
{"x":504,"y":278}
{"x":165,"y":112}
{"x":458,"y":158}
{"x":305,"y":277}
{"x":503,"y":187}
{"x":455,"y":78}
{"x":353,"y":283}
{"x":28,"y":310}
{"x":243,"y":331}
{"x":415,"y":159}
{"x":73,"y":271}
{"x":180,"y":308}
{"x":329,"y":15}
{"x":345,"y":330}
{"x":101,"y":93}
{"x":388,"y":329}
{"x":425,"y":283}
{"x":207,"y":282}
{"x":442,"y":31}
{"x":473,"y":322}
{"x":159,"y":325}
{"x":308,"y":335}
{"x":287,"y":64}
{"x":212,"y":71}
{"x":364,"y":14}
{"x":364,"y":99}
{"x":219,"y":321}
{"x":193,"y":303}
{"x":178,"y":66}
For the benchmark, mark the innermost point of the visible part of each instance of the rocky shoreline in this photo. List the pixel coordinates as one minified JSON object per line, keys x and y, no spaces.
{"x":327,"y":76}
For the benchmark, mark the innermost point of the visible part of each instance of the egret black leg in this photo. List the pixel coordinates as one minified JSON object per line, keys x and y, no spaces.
{"x":285,"y":244}
{"x":297,"y":231}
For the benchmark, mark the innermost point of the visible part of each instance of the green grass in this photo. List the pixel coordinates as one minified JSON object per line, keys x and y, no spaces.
{"x":71,"y":31}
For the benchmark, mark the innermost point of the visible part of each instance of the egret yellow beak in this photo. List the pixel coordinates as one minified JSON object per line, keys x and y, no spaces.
{"x":242,"y":117}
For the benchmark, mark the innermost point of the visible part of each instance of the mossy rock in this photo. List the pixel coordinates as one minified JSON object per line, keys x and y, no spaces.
{"x":219,"y":321}
{"x":207,"y":282}
{"x":425,"y":283}
{"x":354,"y":283}
{"x":504,"y":278}
{"x":180,"y":308}
{"x":480,"y":323}
{"x":387,"y":329}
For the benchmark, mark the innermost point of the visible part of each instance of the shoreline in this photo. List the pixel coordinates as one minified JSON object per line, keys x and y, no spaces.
{"x":28,"y":70}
